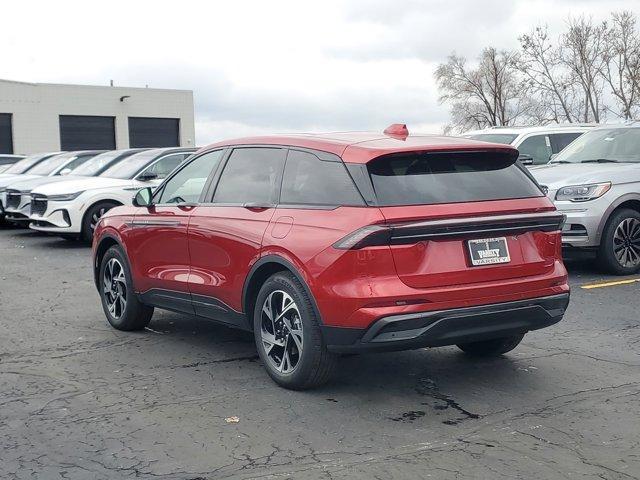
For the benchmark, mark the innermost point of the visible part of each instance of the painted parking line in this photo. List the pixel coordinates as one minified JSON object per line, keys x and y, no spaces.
{"x":610,"y":284}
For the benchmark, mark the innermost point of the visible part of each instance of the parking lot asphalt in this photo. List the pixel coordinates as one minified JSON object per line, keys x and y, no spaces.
{"x":80,"y":400}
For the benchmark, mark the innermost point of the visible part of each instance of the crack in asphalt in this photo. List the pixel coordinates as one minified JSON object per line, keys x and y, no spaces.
{"x":428,"y":387}
{"x":247,"y":358}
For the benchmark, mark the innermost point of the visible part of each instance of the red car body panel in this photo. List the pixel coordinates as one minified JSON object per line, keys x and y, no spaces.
{"x":224,"y":242}
{"x":214,"y":247}
{"x":158,"y":242}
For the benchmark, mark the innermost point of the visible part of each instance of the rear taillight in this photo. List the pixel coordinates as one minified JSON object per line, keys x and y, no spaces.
{"x":472,"y":227}
{"x":368,"y":236}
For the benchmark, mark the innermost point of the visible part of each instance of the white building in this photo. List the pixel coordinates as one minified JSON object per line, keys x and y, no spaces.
{"x":43,"y":117}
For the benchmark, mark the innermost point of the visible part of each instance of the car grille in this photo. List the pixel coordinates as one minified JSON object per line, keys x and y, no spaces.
{"x":38,"y":205}
{"x":13,"y":198}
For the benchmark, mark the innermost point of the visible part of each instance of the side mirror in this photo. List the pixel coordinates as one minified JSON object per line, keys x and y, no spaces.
{"x":145,"y":177}
{"x":525,"y":159}
{"x":65,"y":171}
{"x":143,"y":197}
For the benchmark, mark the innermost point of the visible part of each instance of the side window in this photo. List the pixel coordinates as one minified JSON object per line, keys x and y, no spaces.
{"x":251,"y":176}
{"x":188,"y":183}
{"x":163,"y":167}
{"x":537,"y":148}
{"x":311,"y":181}
{"x":561,"y":140}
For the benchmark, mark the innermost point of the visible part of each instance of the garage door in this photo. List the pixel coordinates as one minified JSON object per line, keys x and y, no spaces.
{"x":87,"y":133}
{"x":6,"y":138}
{"x":154,"y":132}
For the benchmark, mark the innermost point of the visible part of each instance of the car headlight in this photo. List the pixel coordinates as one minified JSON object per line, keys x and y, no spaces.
{"x":64,"y":197}
{"x":582,"y":193}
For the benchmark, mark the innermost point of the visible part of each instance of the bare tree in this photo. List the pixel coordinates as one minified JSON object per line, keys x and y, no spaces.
{"x":583,"y":49}
{"x":541,"y":64}
{"x":489,"y":95}
{"x":569,"y":80}
{"x":621,"y":68}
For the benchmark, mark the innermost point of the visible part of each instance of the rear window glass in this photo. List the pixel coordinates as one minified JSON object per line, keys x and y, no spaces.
{"x":430,"y":178}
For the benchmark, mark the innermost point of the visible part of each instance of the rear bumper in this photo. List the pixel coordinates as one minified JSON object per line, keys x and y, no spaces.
{"x":449,"y":327}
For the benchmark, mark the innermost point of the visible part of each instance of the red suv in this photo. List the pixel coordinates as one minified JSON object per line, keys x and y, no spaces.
{"x":350,"y":242}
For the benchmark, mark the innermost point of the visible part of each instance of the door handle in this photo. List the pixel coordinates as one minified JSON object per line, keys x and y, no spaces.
{"x":256,"y":205}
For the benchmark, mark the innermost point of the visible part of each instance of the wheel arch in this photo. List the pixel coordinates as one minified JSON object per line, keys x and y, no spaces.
{"x":259,"y":272}
{"x":629,"y":200}
{"x":105,"y":243}
{"x":95,"y":202}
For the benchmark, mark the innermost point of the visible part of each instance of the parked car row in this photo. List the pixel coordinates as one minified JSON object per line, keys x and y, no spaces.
{"x":67,"y":193}
{"x":330,"y":244}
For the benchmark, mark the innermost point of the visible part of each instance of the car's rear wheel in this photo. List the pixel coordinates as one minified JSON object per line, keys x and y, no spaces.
{"x":288,"y":336}
{"x":491,"y":348}
{"x":119,"y":301}
{"x":619,"y":251}
{"x":92,"y":217}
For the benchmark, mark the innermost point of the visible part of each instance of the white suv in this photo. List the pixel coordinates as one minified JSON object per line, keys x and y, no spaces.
{"x":18,"y":194}
{"x":536,"y":144}
{"x":73,"y":209}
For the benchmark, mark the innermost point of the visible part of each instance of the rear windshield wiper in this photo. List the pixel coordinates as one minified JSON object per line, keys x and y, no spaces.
{"x":600,"y":160}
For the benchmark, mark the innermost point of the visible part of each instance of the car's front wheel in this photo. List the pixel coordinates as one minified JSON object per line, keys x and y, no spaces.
{"x":619,"y":251}
{"x":92,"y":217}
{"x":119,"y":301}
{"x":491,"y":348}
{"x":288,"y":336}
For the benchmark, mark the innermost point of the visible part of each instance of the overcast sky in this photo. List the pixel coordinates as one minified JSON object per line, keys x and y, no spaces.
{"x":274,"y":66}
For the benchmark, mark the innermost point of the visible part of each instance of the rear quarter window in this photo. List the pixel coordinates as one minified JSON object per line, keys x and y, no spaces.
{"x":432,"y":178}
{"x":311,"y":181}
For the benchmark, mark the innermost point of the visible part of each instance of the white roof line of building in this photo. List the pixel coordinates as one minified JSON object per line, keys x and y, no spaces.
{"x":92,"y":86}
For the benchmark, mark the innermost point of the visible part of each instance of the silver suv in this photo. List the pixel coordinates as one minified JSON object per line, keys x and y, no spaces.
{"x":595,"y":181}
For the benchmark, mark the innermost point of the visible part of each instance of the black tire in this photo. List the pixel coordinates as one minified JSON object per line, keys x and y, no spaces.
{"x":135,"y":315}
{"x":491,"y":348}
{"x":96,"y":210}
{"x":315,"y":364}
{"x":606,"y":253}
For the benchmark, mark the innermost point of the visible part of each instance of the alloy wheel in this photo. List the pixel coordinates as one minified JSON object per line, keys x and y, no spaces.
{"x":114,"y":287}
{"x":626,"y":243}
{"x":95,"y":218}
{"x":281,"y":331}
